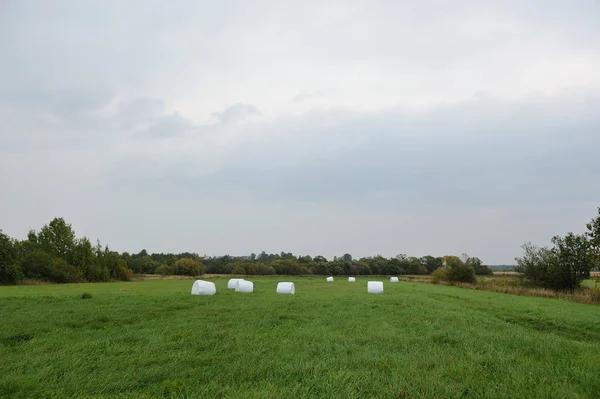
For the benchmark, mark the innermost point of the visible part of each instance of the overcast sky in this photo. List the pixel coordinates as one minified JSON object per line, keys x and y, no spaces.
{"x":312,"y":127}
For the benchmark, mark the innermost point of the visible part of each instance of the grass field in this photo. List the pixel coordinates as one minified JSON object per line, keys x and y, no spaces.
{"x":153,"y":339}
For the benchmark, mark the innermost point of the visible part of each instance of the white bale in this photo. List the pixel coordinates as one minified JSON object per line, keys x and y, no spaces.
{"x":393,"y":279}
{"x":232,"y":283}
{"x":286,"y":288}
{"x":244,"y":286}
{"x":375,"y":287}
{"x":351,"y":279}
{"x":202,"y":287}
{"x":330,"y":279}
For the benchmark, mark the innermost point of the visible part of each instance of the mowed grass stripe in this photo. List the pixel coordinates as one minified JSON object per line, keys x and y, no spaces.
{"x":154,"y":339}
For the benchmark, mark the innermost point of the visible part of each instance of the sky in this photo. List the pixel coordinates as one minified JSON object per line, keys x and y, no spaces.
{"x":313,"y":127}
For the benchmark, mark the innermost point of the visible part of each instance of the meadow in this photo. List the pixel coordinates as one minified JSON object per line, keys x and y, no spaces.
{"x":150,"y":339}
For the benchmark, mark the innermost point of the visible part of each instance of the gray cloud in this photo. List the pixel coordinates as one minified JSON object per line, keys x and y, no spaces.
{"x":236,"y":113}
{"x":308,"y":95}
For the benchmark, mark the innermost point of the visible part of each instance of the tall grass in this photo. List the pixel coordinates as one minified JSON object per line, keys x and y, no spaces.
{"x":588,"y":293}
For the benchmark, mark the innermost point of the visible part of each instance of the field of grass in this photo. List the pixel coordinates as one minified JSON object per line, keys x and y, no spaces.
{"x":153,"y":339}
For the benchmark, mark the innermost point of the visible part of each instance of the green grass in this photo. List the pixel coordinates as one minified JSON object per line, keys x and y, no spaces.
{"x":153,"y":339}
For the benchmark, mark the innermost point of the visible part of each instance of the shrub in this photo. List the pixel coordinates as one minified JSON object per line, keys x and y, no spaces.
{"x":164,"y":270}
{"x":238,"y":269}
{"x":188,"y":267}
{"x":37,"y":265}
{"x":86,"y":295}
{"x":62,"y":272}
{"x":10,"y":274}
{"x":441,"y":274}
{"x":459,"y":271}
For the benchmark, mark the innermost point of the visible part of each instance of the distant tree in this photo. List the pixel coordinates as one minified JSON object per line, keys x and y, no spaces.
{"x":347,"y":258}
{"x":575,"y":258}
{"x":562,"y":267}
{"x":63,"y":272}
{"x":37,"y":265}
{"x":164,"y":269}
{"x":455,"y":270}
{"x":58,"y":239}
{"x":188,"y":267}
{"x":84,"y":260}
{"x":10,"y":271}
{"x":478,"y":266}
{"x":593,"y":235}
{"x":432,"y":263}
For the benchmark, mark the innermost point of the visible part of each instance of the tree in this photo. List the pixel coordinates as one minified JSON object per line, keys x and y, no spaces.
{"x":455,"y":270}
{"x":431,"y":263}
{"x":575,"y":260}
{"x":478,"y":266}
{"x":10,"y":272}
{"x":164,"y":269}
{"x":593,"y":235}
{"x":562,"y":267}
{"x":58,"y":239}
{"x":84,"y":259}
{"x":37,"y":265}
{"x":188,"y":267}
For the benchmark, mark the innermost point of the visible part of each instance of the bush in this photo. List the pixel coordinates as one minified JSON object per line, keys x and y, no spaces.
{"x":455,"y":271}
{"x":188,"y":267}
{"x":86,"y":295}
{"x":440,"y":274}
{"x":238,"y":269}
{"x":10,"y":274}
{"x":62,"y":272}
{"x":164,"y":270}
{"x":37,"y":265}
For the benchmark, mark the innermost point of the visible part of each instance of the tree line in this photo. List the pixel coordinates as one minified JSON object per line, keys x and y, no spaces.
{"x":55,"y":254}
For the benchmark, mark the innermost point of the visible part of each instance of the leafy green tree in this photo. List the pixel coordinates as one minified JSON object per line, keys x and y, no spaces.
{"x":575,"y":260}
{"x":84,"y":260}
{"x":58,"y":239}
{"x":478,"y":266}
{"x":432,"y":263}
{"x":188,"y":267}
{"x":562,"y":267}
{"x":10,"y":271}
{"x":62,"y":272}
{"x":37,"y":265}
{"x":593,"y":235}
{"x":164,"y":269}
{"x":458,"y":271}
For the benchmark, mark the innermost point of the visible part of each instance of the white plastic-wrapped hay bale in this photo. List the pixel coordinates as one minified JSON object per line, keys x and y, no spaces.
{"x":233,"y":282}
{"x":202,"y":287}
{"x":351,"y":279}
{"x":375,"y":287}
{"x":330,"y":279}
{"x":244,"y":286}
{"x":393,"y":279}
{"x":286,"y":288}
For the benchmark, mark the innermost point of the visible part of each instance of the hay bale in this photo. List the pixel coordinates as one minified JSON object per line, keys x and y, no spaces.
{"x":286,"y":288}
{"x":351,"y":279}
{"x":233,"y":282}
{"x":330,"y":279}
{"x":244,"y":286}
{"x":375,"y":287}
{"x":201,"y":287}
{"x":393,"y":279}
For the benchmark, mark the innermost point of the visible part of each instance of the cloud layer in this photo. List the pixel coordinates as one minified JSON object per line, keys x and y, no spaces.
{"x":362,"y":127}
